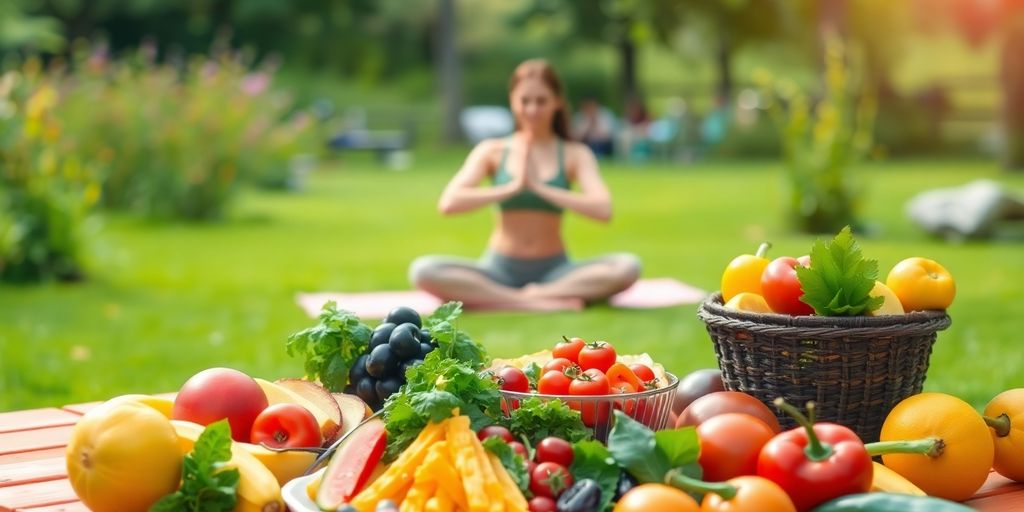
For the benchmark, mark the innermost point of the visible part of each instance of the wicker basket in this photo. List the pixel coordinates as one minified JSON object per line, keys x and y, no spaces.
{"x":856,"y":369}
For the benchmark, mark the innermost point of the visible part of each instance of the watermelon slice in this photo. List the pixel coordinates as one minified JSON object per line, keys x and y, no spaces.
{"x":352,"y":464}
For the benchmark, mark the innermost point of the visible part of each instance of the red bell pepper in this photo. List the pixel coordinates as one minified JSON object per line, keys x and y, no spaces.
{"x":814,"y":463}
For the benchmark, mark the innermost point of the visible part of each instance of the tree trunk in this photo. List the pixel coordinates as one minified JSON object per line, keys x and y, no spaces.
{"x":723,"y":59}
{"x":1013,"y":94}
{"x":449,"y":71}
{"x":627,"y":56}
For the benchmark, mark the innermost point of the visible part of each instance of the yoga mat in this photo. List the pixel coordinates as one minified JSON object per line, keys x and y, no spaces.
{"x":661,"y":292}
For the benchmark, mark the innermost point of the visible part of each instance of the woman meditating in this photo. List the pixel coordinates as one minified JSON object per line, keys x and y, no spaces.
{"x":532,"y":173}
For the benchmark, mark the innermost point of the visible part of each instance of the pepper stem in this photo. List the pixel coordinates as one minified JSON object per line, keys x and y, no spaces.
{"x":1001,"y":424}
{"x":762,"y":250}
{"x":677,"y":479}
{"x":932,"y":447}
{"x":815,"y":450}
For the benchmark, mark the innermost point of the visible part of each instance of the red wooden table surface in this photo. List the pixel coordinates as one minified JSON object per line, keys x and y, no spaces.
{"x":33,"y":477}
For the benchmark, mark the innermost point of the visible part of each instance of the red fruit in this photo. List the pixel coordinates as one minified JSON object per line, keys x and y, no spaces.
{"x":599,"y":354}
{"x":511,"y":378}
{"x":557,"y":364}
{"x":553,"y":383}
{"x":569,"y":349}
{"x":550,"y":479}
{"x":542,"y":504}
{"x":286,"y":425}
{"x":642,"y":371}
{"x":495,"y":431}
{"x":781,"y":287}
{"x":352,"y":464}
{"x":519,"y":449}
{"x":553,"y":449}
{"x":218,"y":393}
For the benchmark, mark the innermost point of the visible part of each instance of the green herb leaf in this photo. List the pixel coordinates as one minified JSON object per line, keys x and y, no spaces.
{"x":840,"y":279}
{"x":452,"y":342}
{"x":331,"y":347}
{"x":514,"y":464}
{"x":680,"y":446}
{"x":647,"y":455}
{"x":432,"y":392}
{"x":207,"y":486}
{"x":592,"y":460}
{"x":532,"y":371}
{"x":537,"y":419}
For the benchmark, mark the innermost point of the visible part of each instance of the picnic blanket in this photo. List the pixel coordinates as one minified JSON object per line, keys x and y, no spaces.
{"x":659,"y":292}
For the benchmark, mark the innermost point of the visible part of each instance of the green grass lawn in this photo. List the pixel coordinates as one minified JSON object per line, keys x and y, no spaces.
{"x":167,"y":300}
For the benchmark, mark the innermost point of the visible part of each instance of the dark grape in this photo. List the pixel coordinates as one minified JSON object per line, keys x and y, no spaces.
{"x":381,"y":335}
{"x":382,"y":362}
{"x":402,"y":315}
{"x":366,"y":389}
{"x":404,"y":342}
{"x":388,"y":387}
{"x":425,"y":348}
{"x":358,"y":370}
{"x":425,"y":335}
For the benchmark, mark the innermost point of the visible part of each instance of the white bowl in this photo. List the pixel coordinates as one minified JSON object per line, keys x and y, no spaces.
{"x":295,"y":495}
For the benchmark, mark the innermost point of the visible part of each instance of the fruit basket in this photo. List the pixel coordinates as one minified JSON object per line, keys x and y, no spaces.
{"x":651,"y":407}
{"x":854,"y":368}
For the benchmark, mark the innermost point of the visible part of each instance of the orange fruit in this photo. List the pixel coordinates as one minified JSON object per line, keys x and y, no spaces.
{"x":921,"y":284}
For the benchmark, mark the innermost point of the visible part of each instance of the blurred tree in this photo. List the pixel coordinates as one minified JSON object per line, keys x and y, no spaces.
{"x":449,"y":70}
{"x":19,"y":29}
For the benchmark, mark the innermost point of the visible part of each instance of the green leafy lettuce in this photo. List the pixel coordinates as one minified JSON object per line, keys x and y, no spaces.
{"x":840,"y":279}
{"x":452,"y":342}
{"x":537,"y":419}
{"x":433,"y":391}
{"x":332,"y":346}
{"x":206,"y":486}
{"x":649,"y":455}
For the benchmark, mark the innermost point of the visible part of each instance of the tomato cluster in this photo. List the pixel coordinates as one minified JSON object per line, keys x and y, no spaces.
{"x":548,"y":468}
{"x":579,"y":368}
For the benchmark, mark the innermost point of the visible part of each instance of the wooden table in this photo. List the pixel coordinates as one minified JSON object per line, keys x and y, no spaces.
{"x":33,"y":477}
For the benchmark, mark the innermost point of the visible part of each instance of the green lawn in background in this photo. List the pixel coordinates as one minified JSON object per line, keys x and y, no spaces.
{"x":167,"y":300}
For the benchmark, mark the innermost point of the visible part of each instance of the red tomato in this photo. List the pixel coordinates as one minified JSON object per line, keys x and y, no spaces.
{"x":781,"y":287}
{"x":591,"y":382}
{"x":495,"y":431}
{"x":623,"y":388}
{"x":218,"y":393}
{"x":542,"y":504}
{"x":511,"y":378}
{"x":553,"y":383}
{"x":550,"y":479}
{"x":721,"y":402}
{"x":642,"y":371}
{"x":553,"y":449}
{"x":569,"y":349}
{"x":557,"y":364}
{"x":730,"y":444}
{"x":286,"y":425}
{"x":520,"y":449}
{"x":599,"y":354}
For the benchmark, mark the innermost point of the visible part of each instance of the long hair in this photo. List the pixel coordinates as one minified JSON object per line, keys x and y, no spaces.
{"x":539,"y":68}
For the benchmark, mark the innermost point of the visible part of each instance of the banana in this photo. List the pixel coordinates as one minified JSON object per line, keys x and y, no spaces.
{"x":284,"y":465}
{"x":887,"y":480}
{"x":258,"y":489}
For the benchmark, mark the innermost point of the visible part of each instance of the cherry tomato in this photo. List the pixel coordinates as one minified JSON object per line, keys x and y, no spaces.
{"x":642,"y":371}
{"x":511,"y":378}
{"x":599,"y":354}
{"x":542,"y":504}
{"x":619,"y":373}
{"x":557,"y":364}
{"x":553,"y":449}
{"x":520,"y":449}
{"x":650,"y":497}
{"x":781,"y":287}
{"x":590,"y":383}
{"x":569,"y":349}
{"x":286,"y":425}
{"x":550,"y":479}
{"x":730,"y":444}
{"x":623,"y":388}
{"x":495,"y":431}
{"x":553,"y":383}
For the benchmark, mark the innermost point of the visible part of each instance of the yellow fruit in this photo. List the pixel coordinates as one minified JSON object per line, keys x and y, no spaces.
{"x":891,"y":304}
{"x":746,"y":301}
{"x":284,"y":465}
{"x":887,"y":480}
{"x":744,"y":273}
{"x":921,"y":284}
{"x":123,"y":457}
{"x":258,"y":490}
{"x":162,"y":405}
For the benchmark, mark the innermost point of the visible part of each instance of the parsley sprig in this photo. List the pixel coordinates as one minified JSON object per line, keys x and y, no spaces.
{"x":840,"y":279}
{"x":207,"y":485}
{"x":331,"y":346}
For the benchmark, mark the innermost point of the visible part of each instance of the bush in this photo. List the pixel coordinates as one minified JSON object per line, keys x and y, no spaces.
{"x":175,"y":141}
{"x":823,"y":141}
{"x":45,"y":197}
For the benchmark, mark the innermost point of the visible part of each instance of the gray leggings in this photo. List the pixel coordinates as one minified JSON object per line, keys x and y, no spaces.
{"x":502,"y":269}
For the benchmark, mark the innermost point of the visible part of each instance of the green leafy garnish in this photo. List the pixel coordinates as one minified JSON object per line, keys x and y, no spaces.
{"x":537,"y":419}
{"x":331,"y":346}
{"x":452,"y":342}
{"x":433,"y":391}
{"x":592,"y":460}
{"x":532,"y":372}
{"x":840,"y":279}
{"x":514,"y":464}
{"x":649,"y":455}
{"x":206,"y":486}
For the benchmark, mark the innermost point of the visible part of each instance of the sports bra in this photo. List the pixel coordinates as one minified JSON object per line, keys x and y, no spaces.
{"x":527,"y":199}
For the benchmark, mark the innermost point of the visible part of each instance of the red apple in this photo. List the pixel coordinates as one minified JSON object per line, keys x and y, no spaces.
{"x":217,"y":393}
{"x":781,"y":288}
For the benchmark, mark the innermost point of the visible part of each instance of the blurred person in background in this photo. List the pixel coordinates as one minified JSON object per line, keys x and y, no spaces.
{"x":531,"y":174}
{"x":595,"y":127}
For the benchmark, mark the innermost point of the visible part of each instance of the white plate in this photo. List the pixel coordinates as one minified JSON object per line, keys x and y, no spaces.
{"x":295,"y":494}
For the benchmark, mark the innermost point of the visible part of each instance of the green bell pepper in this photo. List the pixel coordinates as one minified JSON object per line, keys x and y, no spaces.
{"x":890,"y":502}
